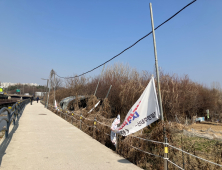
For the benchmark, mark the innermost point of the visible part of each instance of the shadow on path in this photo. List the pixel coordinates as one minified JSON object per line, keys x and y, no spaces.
{"x":124,"y":161}
{"x":6,"y":141}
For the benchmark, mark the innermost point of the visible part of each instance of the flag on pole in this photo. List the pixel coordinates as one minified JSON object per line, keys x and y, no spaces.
{"x":144,"y":112}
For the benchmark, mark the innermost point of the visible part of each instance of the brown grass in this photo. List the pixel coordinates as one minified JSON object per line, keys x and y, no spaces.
{"x":180,"y":95}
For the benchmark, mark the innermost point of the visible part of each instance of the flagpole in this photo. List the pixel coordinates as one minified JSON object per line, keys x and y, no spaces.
{"x":159,"y":93}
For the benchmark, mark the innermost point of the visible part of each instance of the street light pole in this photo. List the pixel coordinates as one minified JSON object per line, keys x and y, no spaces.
{"x":46,"y":92}
{"x":48,"y":96}
{"x":54,"y":88}
{"x":46,"y":100}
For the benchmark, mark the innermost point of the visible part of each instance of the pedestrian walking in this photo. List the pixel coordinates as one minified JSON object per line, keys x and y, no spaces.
{"x":31,"y":100}
{"x":37,"y":99}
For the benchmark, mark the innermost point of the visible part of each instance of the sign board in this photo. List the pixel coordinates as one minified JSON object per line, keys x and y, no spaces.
{"x":17,"y":90}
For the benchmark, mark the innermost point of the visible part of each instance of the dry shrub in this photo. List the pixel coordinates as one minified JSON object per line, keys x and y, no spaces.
{"x":142,"y":159}
{"x":184,"y":98}
{"x":105,"y":109}
{"x":101,"y":131}
{"x":152,"y":132}
{"x":74,"y":104}
{"x":177,"y":126}
{"x":130,"y":92}
{"x":91,"y":103}
{"x":181,"y":97}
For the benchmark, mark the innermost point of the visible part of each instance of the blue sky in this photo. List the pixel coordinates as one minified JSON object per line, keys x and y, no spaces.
{"x":72,"y":37}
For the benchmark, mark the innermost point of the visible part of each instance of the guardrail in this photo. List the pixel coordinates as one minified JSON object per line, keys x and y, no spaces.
{"x":10,"y":114}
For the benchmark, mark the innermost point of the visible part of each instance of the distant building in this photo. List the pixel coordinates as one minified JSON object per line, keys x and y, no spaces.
{"x":5,"y":84}
{"x":40,"y":94}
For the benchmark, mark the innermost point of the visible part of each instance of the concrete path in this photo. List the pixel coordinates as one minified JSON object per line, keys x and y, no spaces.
{"x":47,"y":142}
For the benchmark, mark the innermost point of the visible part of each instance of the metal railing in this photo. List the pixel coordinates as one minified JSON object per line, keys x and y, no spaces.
{"x":10,"y":114}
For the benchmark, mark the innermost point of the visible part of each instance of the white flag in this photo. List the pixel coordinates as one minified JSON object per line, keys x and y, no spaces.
{"x":113,"y":128}
{"x":144,"y":112}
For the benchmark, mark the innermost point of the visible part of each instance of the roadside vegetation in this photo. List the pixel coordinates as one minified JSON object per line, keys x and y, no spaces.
{"x":25,"y":89}
{"x":181,"y":96}
{"x":182,"y":99}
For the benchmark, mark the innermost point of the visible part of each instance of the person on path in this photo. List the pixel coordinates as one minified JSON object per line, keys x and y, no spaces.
{"x":31,"y":99}
{"x":37,"y":99}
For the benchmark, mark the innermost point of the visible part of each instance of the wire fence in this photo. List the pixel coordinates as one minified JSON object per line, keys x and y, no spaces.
{"x":95,"y":129}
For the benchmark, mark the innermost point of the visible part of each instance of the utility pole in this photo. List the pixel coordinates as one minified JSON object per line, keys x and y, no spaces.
{"x":33,"y":91}
{"x":159,"y":93}
{"x":46,"y":105}
{"x":48,"y":96}
{"x":54,"y":86}
{"x":46,"y":92}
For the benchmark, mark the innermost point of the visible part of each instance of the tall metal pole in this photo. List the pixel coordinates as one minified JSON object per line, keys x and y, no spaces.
{"x":99,"y":79}
{"x":48,"y":95}
{"x":108,"y":91}
{"x":54,"y":89}
{"x":159,"y":93}
{"x":156,"y":63}
{"x":23,"y":90}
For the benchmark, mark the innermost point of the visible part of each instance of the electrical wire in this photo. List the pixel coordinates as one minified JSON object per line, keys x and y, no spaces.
{"x":131,"y":45}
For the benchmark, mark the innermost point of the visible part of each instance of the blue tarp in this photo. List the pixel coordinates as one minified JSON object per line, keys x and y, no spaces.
{"x":200,"y":119}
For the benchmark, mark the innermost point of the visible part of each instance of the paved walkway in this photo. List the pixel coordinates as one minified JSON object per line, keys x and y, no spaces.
{"x":47,"y":142}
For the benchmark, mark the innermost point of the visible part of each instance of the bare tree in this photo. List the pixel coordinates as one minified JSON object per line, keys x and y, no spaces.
{"x":58,"y":83}
{"x":55,"y":82}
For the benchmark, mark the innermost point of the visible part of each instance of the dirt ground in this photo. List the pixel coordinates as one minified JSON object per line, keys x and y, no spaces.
{"x":206,"y":125}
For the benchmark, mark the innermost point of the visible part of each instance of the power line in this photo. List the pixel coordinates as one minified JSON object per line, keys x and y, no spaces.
{"x":132,"y":44}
